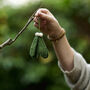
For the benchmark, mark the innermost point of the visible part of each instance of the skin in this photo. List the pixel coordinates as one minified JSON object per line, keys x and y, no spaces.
{"x":50,"y":26}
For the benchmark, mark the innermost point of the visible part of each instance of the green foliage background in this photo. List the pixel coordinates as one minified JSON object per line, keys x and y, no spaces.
{"x":17,"y":70}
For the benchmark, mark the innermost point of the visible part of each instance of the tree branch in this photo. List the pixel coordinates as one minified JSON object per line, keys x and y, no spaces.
{"x":11,"y":41}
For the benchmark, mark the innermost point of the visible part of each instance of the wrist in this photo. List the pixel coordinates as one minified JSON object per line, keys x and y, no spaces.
{"x":57,"y":36}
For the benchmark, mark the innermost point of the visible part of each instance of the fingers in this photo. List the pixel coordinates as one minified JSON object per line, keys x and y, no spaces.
{"x":42,"y":10}
{"x":43,"y":14}
{"x":41,"y":24}
{"x":36,"y":25}
{"x":35,"y":20}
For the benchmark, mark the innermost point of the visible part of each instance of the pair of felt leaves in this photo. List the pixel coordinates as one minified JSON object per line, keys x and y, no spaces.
{"x":38,"y":48}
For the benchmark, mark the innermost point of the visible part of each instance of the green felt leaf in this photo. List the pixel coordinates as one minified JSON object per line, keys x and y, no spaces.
{"x":33,"y":48}
{"x":42,"y":49}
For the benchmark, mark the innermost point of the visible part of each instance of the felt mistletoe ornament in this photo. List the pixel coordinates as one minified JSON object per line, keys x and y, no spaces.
{"x":38,"y":46}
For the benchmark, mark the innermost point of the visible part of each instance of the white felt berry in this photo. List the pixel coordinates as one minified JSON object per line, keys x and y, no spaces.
{"x":39,"y":34}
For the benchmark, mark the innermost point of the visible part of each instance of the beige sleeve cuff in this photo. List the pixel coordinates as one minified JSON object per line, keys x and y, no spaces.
{"x":78,"y":76}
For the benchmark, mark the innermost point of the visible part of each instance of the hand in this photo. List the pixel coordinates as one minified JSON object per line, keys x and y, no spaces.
{"x":48,"y":23}
{"x":50,"y":26}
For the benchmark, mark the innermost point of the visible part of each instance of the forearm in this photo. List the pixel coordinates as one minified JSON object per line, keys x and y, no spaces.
{"x":64,"y":53}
